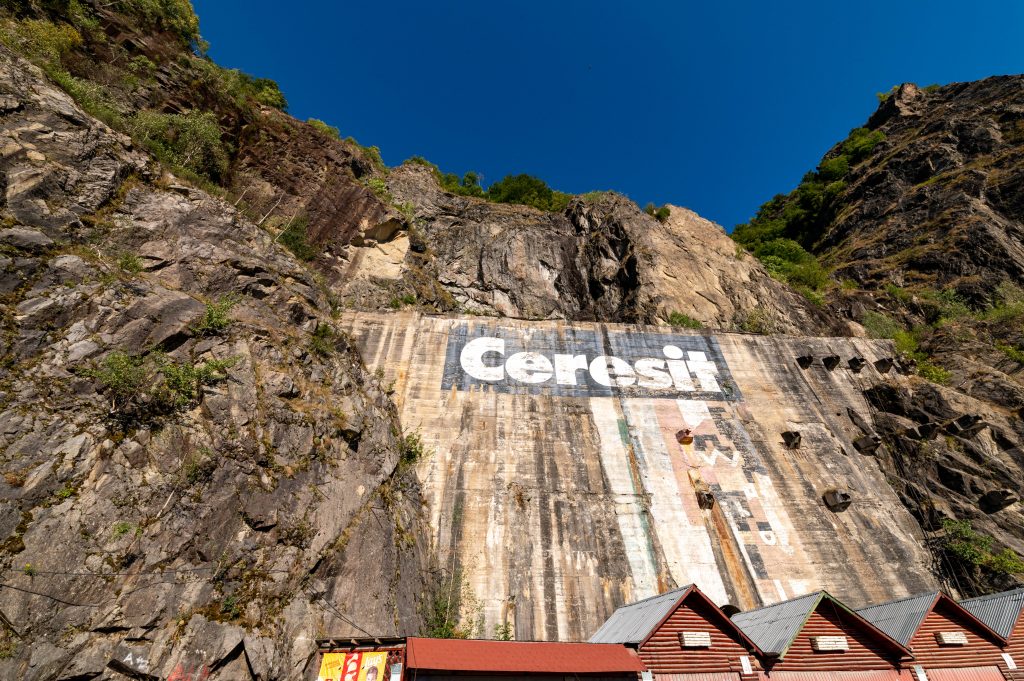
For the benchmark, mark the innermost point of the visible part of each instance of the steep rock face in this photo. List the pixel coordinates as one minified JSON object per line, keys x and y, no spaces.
{"x":927,"y":233}
{"x":939,"y":202}
{"x":228,"y":490}
{"x":603,"y":259}
{"x":288,"y":169}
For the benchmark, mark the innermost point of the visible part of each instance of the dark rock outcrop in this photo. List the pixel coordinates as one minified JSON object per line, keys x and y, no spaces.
{"x":214,"y":523}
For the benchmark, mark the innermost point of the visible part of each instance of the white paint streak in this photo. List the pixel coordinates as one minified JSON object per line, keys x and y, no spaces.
{"x":686,"y":544}
{"x":615,"y":464}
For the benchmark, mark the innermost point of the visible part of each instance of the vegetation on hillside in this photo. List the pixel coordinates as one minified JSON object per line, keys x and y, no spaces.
{"x":786,"y":228}
{"x":523,"y":189}
{"x":944,"y":313}
{"x":973,"y":551}
{"x":66,"y":39}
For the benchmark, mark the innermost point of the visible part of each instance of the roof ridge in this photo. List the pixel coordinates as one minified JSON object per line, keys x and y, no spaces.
{"x":819,"y":592}
{"x":988,"y":597}
{"x":935,"y":593}
{"x":651,"y":598}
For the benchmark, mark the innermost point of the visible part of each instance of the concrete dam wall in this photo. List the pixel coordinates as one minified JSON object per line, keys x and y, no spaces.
{"x":579,"y":466}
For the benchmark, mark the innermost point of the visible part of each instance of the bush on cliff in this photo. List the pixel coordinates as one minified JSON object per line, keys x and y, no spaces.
{"x":787,"y":225}
{"x":175,"y":16}
{"x":191,"y":141}
{"x":529,"y":191}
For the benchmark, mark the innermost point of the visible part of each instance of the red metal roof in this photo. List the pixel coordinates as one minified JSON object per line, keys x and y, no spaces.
{"x":965,"y":674}
{"x":520,"y":656}
{"x":699,"y":676}
{"x":844,"y":675}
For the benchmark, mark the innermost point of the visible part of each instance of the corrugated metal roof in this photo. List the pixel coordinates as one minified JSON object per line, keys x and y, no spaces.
{"x":773,"y":627}
{"x":699,"y":676}
{"x":999,"y":611}
{"x":843,"y":675}
{"x":900,"y":619}
{"x":520,"y":657}
{"x":632,"y":623}
{"x":965,"y":674}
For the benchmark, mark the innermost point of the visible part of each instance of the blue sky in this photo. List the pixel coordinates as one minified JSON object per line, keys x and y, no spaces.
{"x":716,"y":106}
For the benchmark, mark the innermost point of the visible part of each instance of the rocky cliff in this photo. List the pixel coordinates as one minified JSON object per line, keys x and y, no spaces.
{"x":198,"y":471}
{"x":201,"y":474}
{"x":924,"y":236}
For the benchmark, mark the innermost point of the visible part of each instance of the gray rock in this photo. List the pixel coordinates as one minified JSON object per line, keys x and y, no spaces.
{"x":25,"y":239}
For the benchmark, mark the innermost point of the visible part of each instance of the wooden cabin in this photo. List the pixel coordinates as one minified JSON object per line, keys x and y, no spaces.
{"x":817,"y":638}
{"x":942,"y":637}
{"x":1004,"y":614}
{"x":682,"y":635}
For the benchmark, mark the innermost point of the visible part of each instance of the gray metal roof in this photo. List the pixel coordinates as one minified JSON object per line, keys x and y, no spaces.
{"x":632,"y":623}
{"x":773,"y":627}
{"x":900,"y":619}
{"x":999,"y":611}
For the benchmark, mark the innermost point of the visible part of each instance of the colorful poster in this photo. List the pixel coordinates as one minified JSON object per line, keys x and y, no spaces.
{"x":336,"y":666}
{"x":331,"y":666}
{"x":373,"y":667}
{"x":353,"y":667}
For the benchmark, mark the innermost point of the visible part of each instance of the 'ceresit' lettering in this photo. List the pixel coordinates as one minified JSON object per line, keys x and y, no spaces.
{"x":484,"y":359}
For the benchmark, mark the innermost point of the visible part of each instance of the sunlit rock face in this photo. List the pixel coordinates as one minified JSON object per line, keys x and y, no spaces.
{"x":578,"y":466}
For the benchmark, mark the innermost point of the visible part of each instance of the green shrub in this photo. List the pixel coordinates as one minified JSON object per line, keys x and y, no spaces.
{"x":521,"y":189}
{"x":759,"y":321}
{"x":129,"y":262}
{"x":529,"y":191}
{"x":324,"y":129}
{"x":1007,"y":305}
{"x":788,"y":261}
{"x":907,"y":344}
{"x":191,"y":141}
{"x":141,"y":65}
{"x":372,"y":153}
{"x":122,"y":528}
{"x":861,"y":142}
{"x":175,"y":16}
{"x":380,"y":188}
{"x":183,"y":383}
{"x":933,"y":372}
{"x":812,"y":295}
{"x":975,"y":549}
{"x":1014,"y":353}
{"x":41,"y":41}
{"x":945,"y":305}
{"x":420,"y":161}
{"x":322,"y":341}
{"x":660,"y":214}
{"x":295,"y":239}
{"x":684,"y":321}
{"x":450,"y":611}
{"x":92,"y":97}
{"x":121,"y":375}
{"x":411,"y":449}
{"x":898,"y":293}
{"x":215,"y":318}
{"x":503,"y":631}
{"x":265,"y":91}
{"x":834,"y":168}
{"x":469,"y":185}
{"x":399,"y":302}
{"x":879,"y":325}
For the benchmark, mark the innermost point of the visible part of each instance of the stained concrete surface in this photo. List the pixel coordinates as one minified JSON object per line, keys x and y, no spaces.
{"x":567,"y":493}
